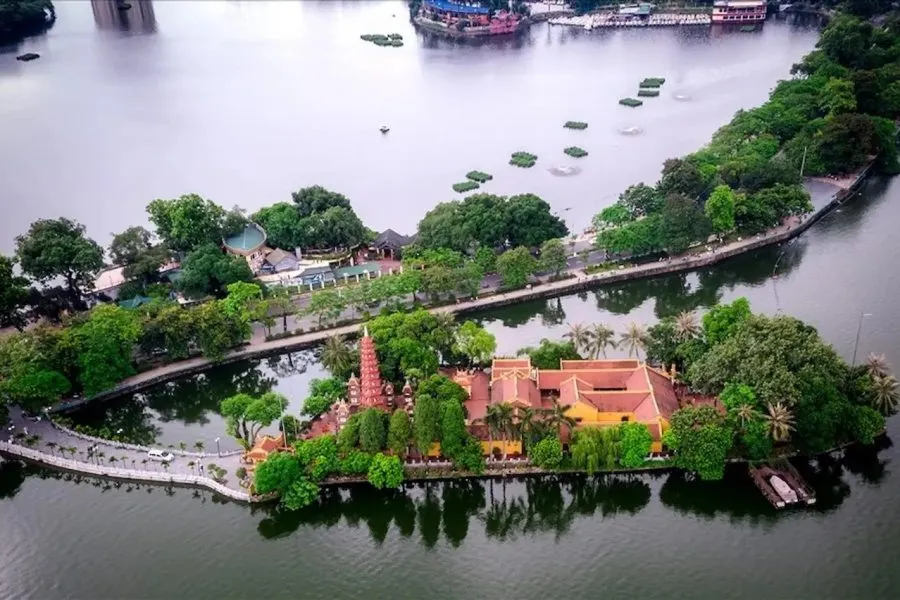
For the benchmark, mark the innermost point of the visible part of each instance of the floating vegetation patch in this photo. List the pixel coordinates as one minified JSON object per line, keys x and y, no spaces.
{"x":652,"y":82}
{"x":575,"y":125}
{"x":379,"y":39}
{"x":630,"y":102}
{"x":630,"y":130}
{"x":465,"y":186}
{"x":648,"y":93}
{"x":523,"y":159}
{"x":576,"y":152}
{"x":564,"y":171}
{"x":479,"y":176}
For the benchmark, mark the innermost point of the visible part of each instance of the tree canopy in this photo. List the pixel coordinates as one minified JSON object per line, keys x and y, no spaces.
{"x":20,"y":18}
{"x":59,"y":248}
{"x":207,"y":271}
{"x":13,"y":294}
{"x":246,"y":415}
{"x":188,"y":222}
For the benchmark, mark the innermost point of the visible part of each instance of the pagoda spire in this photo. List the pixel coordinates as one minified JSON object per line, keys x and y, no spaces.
{"x":371,"y":390}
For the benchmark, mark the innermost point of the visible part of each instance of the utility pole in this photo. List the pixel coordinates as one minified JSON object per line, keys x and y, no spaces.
{"x":858,"y":331}
{"x":803,"y":161}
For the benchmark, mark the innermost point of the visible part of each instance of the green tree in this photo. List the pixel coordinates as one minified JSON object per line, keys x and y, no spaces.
{"x":553,"y":256}
{"x":59,"y":248}
{"x":865,"y":424}
{"x":614,"y":215}
{"x":372,"y":435}
{"x":548,"y":354}
{"x":207,"y":271}
{"x":284,"y":226}
{"x":127,"y":246}
{"x":246,"y":416}
{"x":276,"y":474}
{"x":20,"y":18}
{"x":595,"y":448}
{"x":385,"y":472}
{"x":839,"y":97}
{"x":336,"y":355}
{"x":187,"y":222}
{"x":327,"y":305}
{"x":735,"y":395}
{"x":634,"y":338}
{"x":530,"y":222}
{"x":635,"y":444}
{"x":348,"y":437}
{"x":515,"y":267}
{"x":316,"y":200}
{"x":426,"y":422}
{"x":601,"y":338}
{"x":720,"y":209}
{"x":337,"y":227}
{"x":702,"y":439}
{"x":475,"y":343}
{"x":300,"y":494}
{"x":779,"y":421}
{"x":399,"y":433}
{"x":13,"y":295}
{"x":547,"y":453}
{"x":453,"y":430}
{"x":356,"y":463}
{"x":641,"y":200}
{"x":323,"y":393}
{"x":683,"y":223}
{"x":486,"y":259}
{"x":723,"y":320}
{"x":884,"y":393}
{"x":104,"y":344}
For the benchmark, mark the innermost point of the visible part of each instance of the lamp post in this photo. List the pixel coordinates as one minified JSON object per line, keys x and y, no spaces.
{"x":862,"y":315}
{"x":218,"y":451}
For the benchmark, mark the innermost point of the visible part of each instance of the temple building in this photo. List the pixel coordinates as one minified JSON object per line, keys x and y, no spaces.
{"x":363,"y":392}
{"x":598,"y":393}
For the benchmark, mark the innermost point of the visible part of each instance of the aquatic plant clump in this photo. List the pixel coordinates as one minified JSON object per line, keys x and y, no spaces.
{"x":479,"y":176}
{"x":523,"y":159}
{"x":575,"y":125}
{"x":630,"y":102}
{"x":465,"y":186}
{"x":652,"y":82}
{"x":576,"y":152}
{"x":379,"y":39}
{"x":648,"y":93}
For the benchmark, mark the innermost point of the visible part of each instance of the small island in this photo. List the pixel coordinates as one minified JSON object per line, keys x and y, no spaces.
{"x":21,"y":19}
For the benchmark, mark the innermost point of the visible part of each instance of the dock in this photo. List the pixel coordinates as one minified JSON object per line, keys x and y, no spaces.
{"x":782,"y":485}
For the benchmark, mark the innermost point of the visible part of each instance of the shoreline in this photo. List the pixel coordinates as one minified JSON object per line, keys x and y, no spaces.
{"x":579,"y":282}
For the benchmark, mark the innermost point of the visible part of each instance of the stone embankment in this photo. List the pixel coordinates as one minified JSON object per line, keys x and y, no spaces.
{"x":49,"y":460}
{"x":580,"y":282}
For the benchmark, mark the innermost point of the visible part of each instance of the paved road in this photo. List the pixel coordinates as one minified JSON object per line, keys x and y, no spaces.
{"x":124,"y":458}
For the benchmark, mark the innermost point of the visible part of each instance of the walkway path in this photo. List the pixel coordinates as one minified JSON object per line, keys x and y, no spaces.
{"x":825,"y":195}
{"x":124,"y":458}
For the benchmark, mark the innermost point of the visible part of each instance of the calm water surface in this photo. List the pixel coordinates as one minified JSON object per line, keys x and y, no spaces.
{"x":245,"y":101}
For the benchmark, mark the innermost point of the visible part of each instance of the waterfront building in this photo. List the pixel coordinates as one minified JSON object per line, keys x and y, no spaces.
{"x":389,"y":244}
{"x":264,"y":446}
{"x":739,"y":11}
{"x":466,"y":19}
{"x":249,"y":243}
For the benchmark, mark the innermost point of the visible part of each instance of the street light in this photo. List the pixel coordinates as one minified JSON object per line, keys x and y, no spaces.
{"x":858,"y":331}
{"x":218,"y":452}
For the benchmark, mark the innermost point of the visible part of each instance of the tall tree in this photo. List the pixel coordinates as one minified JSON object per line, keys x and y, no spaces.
{"x":580,"y":336}
{"x":531,"y":223}
{"x":884,"y":394}
{"x":336,"y":355}
{"x":316,"y":199}
{"x":500,"y":422}
{"x":719,"y":209}
{"x":284,"y":226}
{"x":475,"y":343}
{"x":13,"y":295}
{"x":208,"y":271}
{"x":372,"y":435}
{"x":246,"y":416}
{"x":104,"y":343}
{"x":426,"y":422}
{"x":515,"y":266}
{"x":682,"y":223}
{"x":686,"y":326}
{"x":702,"y":439}
{"x":399,"y":433}
{"x":779,"y":421}
{"x":601,"y":338}
{"x":128,"y":245}
{"x":59,"y":248}
{"x":634,"y":339}
{"x":557,"y":417}
{"x":553,"y":256}
{"x":187,"y":222}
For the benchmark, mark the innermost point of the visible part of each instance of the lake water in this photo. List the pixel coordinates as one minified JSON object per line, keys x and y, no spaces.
{"x":244,"y":102}
{"x":231,"y":99}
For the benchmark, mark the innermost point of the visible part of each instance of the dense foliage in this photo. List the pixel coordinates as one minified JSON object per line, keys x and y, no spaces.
{"x":834,"y":116}
{"x":58,"y":248}
{"x":20,"y":18}
{"x":485,"y":220}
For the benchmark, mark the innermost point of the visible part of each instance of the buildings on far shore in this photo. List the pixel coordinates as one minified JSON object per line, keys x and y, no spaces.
{"x":457,"y":18}
{"x":739,"y":11}
{"x":598,"y":393}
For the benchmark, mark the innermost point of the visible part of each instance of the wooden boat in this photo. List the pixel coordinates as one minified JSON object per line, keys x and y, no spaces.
{"x":384,"y":129}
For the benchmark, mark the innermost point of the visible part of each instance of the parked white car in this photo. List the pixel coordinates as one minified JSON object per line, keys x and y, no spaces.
{"x":160,"y":455}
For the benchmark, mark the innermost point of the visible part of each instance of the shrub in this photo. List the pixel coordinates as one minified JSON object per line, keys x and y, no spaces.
{"x":635,"y":444}
{"x":547,"y":453}
{"x":240,"y":472}
{"x":652,"y":82}
{"x":523,"y":159}
{"x":465,"y":186}
{"x":630,"y":102}
{"x":648,"y":93}
{"x":479,"y":176}
{"x":385,"y":471}
{"x":575,"y":152}
{"x":356,"y":463}
{"x":575,"y":125}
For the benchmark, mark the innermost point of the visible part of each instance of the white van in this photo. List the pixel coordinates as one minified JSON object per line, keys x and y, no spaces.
{"x":160,"y":455}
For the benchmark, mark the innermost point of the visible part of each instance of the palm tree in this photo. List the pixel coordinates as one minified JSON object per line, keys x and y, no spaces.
{"x":336,"y":355}
{"x":182,"y":446}
{"x":877,"y":365}
{"x":602,"y":337}
{"x":198,"y":445}
{"x":686,"y":326}
{"x":779,"y":422}
{"x":745,"y":413}
{"x":634,"y":339}
{"x":884,"y":394}
{"x":530,"y":425}
{"x":51,"y":445}
{"x":556,"y":418}
{"x":579,"y":336}
{"x":499,"y":421}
